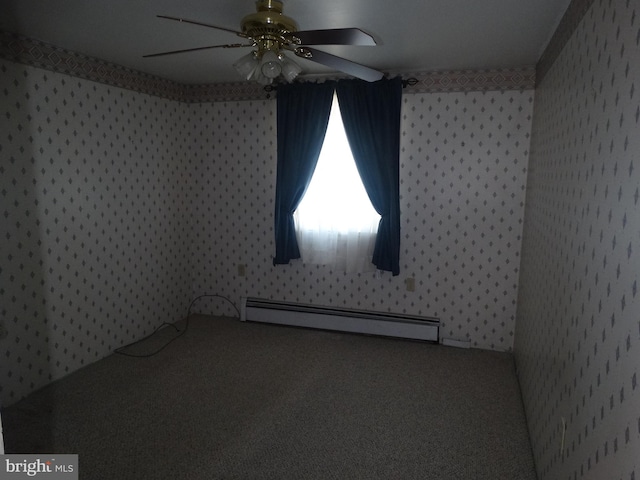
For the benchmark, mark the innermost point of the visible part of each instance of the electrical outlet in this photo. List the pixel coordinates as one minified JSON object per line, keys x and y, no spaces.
{"x":410,"y":284}
{"x":4,"y":333}
{"x":242,"y":270}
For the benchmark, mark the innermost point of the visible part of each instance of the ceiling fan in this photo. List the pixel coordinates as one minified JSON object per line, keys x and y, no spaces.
{"x":271,"y":34}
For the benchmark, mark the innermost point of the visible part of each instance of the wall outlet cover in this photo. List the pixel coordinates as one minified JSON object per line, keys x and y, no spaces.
{"x":411,"y":284}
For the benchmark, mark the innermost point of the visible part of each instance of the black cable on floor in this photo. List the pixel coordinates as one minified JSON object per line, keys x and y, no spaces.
{"x":120,"y":351}
{"x":213,"y":296}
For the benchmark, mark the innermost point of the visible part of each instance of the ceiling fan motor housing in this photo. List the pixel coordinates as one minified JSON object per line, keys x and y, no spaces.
{"x":268,"y":26}
{"x":271,"y":33}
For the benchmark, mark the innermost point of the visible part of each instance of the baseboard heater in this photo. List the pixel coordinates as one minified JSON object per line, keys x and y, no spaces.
{"x":340,"y":319}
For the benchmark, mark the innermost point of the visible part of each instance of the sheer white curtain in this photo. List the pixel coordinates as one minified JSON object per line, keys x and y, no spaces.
{"x":335,"y":221}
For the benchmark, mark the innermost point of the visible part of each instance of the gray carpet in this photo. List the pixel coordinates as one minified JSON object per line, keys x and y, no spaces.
{"x":250,"y":401}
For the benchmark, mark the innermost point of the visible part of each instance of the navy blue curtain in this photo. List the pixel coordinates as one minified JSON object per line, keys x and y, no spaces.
{"x":371,"y":117}
{"x":303,"y":115}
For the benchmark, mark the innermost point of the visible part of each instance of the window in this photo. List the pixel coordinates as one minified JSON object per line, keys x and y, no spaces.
{"x":335,"y":222}
{"x":372,"y":112}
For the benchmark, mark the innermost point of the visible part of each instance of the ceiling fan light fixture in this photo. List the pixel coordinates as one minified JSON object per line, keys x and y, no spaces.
{"x":258,"y":76}
{"x":246,"y":65}
{"x":290,"y":69}
{"x":270,"y":64}
{"x":270,"y":33}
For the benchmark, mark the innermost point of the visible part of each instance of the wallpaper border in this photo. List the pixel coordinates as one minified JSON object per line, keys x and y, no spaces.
{"x":39,"y":54}
{"x":568,"y":24}
{"x":499,"y":79}
{"x":49,"y":57}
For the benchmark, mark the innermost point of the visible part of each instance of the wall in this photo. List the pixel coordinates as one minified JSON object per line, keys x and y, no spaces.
{"x":120,"y":207}
{"x":94,"y":250}
{"x":463,"y":174}
{"x":578,"y":329}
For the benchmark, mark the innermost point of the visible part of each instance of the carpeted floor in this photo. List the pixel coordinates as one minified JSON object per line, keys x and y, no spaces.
{"x":234,"y":400}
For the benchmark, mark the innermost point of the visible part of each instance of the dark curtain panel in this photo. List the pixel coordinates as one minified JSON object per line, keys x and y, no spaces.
{"x":303,"y":114}
{"x":371,"y":117}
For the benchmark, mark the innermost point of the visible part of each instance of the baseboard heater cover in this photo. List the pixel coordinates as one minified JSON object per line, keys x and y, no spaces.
{"x":340,"y":319}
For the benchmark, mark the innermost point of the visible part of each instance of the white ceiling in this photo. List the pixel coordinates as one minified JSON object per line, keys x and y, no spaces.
{"x":412,"y":35}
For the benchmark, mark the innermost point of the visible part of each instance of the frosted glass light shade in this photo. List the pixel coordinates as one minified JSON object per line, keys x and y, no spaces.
{"x":290,"y":69}
{"x":246,"y":65}
{"x":264,"y":69}
{"x":270,"y":64}
{"x":258,"y":76}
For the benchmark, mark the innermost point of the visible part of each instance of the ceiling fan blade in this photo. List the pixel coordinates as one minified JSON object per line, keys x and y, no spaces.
{"x":339,"y":63}
{"x":185,"y":50}
{"x":193,"y":22}
{"x":336,"y":36}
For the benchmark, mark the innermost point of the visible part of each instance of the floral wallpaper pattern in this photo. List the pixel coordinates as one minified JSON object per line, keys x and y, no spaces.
{"x":93,"y":191}
{"x":463,"y":168}
{"x":120,"y":207}
{"x":578,"y":328}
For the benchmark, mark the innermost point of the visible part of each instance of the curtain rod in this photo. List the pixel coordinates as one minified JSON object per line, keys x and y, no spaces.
{"x":406,"y":82}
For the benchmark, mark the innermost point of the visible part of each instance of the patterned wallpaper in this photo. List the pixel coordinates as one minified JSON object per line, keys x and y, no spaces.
{"x":120,"y":207}
{"x":43,"y":55}
{"x":463,"y":174}
{"x":94,"y":250}
{"x":568,"y":24}
{"x":578,"y":332}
